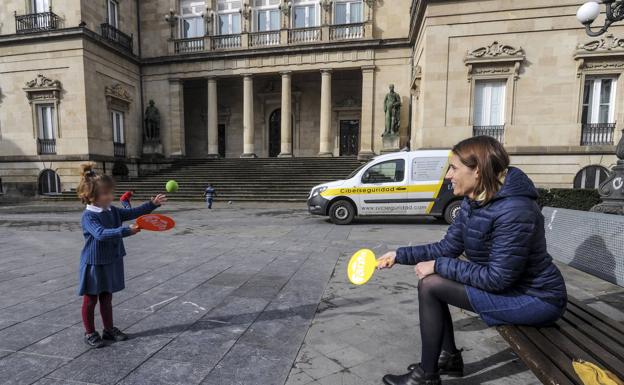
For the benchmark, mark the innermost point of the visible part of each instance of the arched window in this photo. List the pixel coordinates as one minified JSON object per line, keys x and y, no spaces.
{"x":49,"y":182}
{"x":591,"y":177}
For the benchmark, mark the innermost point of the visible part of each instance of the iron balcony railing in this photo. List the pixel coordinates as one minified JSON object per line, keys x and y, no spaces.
{"x":304,"y":35}
{"x":46,"y":146}
{"x":346,"y":31}
{"x":119,"y":150}
{"x":226,"y":41}
{"x":188,"y":45}
{"x":259,"y":39}
{"x":117,"y":37}
{"x":496,"y":132}
{"x":596,"y":134}
{"x":36,"y":22}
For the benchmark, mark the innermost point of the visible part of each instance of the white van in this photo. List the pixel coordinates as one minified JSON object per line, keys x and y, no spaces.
{"x":400,"y":183}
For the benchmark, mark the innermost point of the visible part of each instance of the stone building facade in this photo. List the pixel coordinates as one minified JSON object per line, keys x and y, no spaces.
{"x":77,"y":75}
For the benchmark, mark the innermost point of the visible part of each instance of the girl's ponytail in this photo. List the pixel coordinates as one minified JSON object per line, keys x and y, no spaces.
{"x":91,"y":182}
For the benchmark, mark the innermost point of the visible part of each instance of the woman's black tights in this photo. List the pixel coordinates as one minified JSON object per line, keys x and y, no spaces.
{"x":436,"y":325}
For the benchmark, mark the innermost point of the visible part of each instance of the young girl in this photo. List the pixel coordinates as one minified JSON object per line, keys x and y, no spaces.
{"x":101,"y":261}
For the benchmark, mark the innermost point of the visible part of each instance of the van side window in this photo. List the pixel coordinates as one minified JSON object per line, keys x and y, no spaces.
{"x":385,"y":172}
{"x":429,"y":169}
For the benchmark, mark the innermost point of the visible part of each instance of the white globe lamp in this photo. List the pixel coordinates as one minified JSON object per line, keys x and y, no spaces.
{"x":588,"y":12}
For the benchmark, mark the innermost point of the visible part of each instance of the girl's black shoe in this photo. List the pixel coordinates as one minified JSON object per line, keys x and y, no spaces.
{"x":450,"y":364}
{"x":94,"y":340}
{"x":114,"y":334}
{"x":415,"y":377}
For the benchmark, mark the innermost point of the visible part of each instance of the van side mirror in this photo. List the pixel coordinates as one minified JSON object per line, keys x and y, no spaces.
{"x":366,"y":177}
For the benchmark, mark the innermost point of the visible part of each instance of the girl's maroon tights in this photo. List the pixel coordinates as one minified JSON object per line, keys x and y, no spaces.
{"x":88,"y":310}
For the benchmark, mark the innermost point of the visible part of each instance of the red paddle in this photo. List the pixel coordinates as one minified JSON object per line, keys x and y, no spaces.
{"x":155,"y":222}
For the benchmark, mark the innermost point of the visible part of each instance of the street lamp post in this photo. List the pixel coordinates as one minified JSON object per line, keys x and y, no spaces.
{"x":612,"y":190}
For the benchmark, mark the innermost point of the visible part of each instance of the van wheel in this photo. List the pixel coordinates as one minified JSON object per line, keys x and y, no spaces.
{"x":341,"y":212}
{"x":452,"y":211}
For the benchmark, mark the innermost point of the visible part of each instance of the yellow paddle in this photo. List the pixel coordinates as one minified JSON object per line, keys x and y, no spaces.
{"x":361,"y":267}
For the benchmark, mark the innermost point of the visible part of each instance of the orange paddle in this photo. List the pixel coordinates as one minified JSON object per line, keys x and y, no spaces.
{"x":155,"y":222}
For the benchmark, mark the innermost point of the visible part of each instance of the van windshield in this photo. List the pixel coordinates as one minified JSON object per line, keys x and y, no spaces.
{"x":357,"y":170}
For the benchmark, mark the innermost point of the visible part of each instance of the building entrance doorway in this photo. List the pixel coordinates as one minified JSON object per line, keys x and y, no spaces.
{"x":221,"y":140}
{"x":349,"y":137}
{"x":275,"y":133}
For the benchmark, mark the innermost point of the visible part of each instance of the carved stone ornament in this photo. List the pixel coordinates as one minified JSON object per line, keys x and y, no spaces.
{"x":43,"y":89}
{"x":349,"y":102}
{"x":43,"y":82}
{"x":117,"y":91}
{"x":607,"y":43}
{"x":495,"y":50}
{"x":495,"y":59}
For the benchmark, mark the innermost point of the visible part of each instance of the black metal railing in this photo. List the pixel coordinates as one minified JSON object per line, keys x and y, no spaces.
{"x":117,"y":37}
{"x":119,"y":150}
{"x":596,"y":134}
{"x":36,"y":22}
{"x":496,"y":132}
{"x":46,"y":146}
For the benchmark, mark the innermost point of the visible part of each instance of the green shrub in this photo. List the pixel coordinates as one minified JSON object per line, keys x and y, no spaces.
{"x":567,"y":198}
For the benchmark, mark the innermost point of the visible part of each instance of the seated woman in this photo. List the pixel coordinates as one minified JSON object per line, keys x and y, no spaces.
{"x":508,"y":277}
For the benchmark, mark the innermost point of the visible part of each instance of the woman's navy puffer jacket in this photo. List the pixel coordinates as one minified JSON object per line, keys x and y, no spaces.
{"x":504,"y":241}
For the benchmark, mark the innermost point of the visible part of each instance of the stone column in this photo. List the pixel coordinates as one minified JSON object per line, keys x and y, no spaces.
{"x":213,"y":119}
{"x":177,"y":145}
{"x":286,"y":118}
{"x":326,"y":103}
{"x":249,"y":150}
{"x":368,"y":107}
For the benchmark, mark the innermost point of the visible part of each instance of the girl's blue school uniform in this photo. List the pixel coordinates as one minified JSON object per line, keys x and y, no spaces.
{"x":101,"y":260}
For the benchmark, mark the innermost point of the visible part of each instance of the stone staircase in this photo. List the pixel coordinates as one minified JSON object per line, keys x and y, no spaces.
{"x":262,"y":179}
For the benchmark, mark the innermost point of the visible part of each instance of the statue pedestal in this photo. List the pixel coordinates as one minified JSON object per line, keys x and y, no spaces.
{"x":152,"y":148}
{"x":391,"y":143}
{"x":612,"y":192}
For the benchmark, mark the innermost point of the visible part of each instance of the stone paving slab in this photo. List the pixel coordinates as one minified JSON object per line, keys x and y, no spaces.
{"x":244,"y":294}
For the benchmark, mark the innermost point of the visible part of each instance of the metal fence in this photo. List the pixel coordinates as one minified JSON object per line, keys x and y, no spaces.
{"x":590,"y":242}
{"x":119,"y":150}
{"x":46,"y":146}
{"x":117,"y":37}
{"x":36,"y":22}
{"x":496,"y":132}
{"x":596,"y":134}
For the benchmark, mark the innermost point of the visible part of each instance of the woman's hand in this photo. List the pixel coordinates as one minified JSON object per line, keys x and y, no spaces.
{"x":424,"y":269}
{"x":387,"y":260}
{"x":134,"y":229}
{"x":159,"y":199}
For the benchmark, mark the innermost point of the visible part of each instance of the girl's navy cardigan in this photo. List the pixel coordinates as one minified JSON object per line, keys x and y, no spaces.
{"x":103,"y":233}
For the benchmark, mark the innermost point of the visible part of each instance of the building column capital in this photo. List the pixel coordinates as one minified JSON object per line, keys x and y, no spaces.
{"x":326,"y":71}
{"x":369,"y":68}
{"x":247,"y":76}
{"x":285,"y":73}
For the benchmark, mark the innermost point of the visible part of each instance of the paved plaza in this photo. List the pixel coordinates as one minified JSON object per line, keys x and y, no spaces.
{"x":244,"y":294}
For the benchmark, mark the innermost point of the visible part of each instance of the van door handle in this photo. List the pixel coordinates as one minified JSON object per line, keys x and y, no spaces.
{"x":401,"y":188}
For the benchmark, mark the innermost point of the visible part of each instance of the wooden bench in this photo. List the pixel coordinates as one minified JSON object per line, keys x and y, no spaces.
{"x":583,"y":333}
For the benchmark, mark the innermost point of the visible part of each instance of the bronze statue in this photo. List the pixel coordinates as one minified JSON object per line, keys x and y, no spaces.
{"x":392,"y":108}
{"x":152,"y":122}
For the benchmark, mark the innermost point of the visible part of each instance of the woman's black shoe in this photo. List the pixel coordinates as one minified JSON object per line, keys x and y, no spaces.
{"x":415,"y":377}
{"x":114,"y":334}
{"x":94,"y":340}
{"x":450,"y":364}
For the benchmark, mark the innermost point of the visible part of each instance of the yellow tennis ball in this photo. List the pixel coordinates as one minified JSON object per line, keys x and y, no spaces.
{"x":171,"y":186}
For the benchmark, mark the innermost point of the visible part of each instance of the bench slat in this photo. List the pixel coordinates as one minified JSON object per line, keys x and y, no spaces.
{"x":539,"y":364}
{"x":602,"y":356}
{"x":595,"y":313}
{"x":554,"y":335}
{"x":557,"y":356}
{"x":597,"y":323}
{"x":598,"y":336}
